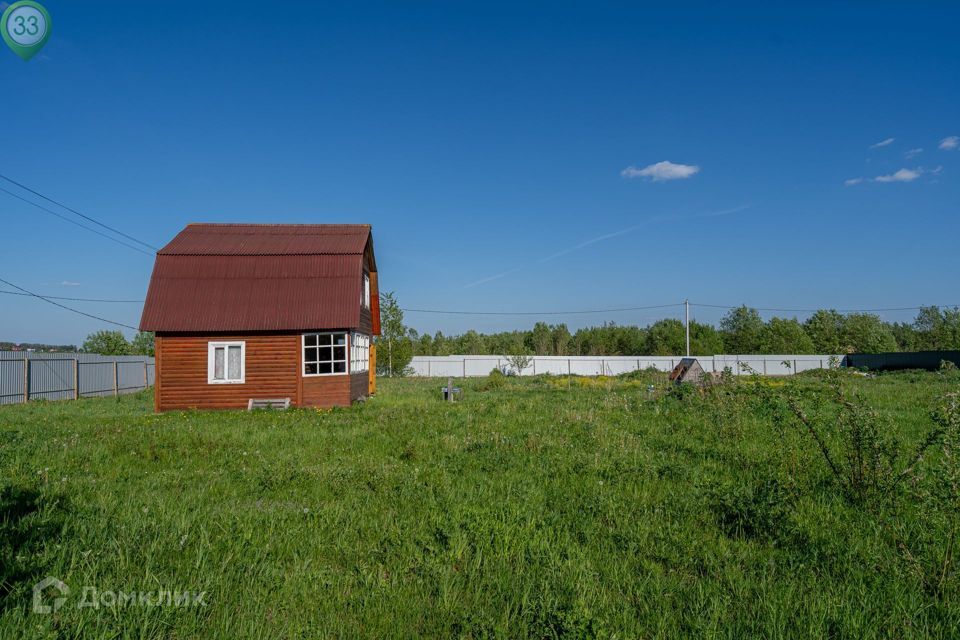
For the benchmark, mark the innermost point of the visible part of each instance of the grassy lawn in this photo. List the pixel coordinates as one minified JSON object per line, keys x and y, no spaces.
{"x":533,"y":509}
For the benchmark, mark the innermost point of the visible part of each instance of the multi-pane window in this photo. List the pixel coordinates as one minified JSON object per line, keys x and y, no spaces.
{"x":225,"y":362}
{"x":365,"y":296}
{"x":324,"y":354}
{"x":359,"y":353}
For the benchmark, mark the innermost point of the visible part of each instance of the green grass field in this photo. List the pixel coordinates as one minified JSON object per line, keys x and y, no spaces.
{"x":537,"y":508}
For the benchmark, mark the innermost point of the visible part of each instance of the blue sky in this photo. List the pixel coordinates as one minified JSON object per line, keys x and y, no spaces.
{"x":508,"y":155}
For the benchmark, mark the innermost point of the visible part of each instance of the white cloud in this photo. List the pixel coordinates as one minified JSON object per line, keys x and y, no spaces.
{"x":913,"y":152}
{"x":69,"y":283}
{"x":661,"y":171}
{"x":950,"y":143}
{"x":903,"y":175}
{"x":883,"y":143}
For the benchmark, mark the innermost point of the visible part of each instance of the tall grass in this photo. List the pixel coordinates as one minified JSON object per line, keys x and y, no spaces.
{"x":536,"y":507}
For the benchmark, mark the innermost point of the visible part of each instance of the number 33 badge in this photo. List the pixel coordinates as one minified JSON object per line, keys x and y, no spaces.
{"x":26,"y":27}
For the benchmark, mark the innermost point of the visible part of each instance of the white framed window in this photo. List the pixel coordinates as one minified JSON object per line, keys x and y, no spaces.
{"x":226,"y":362}
{"x":359,"y":353}
{"x":324,"y":354}
{"x":365,"y":296}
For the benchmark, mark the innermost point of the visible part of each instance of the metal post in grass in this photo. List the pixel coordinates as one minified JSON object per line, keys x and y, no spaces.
{"x":449,"y":389}
{"x":26,"y":379}
{"x":146,"y":378}
{"x":116,"y":378}
{"x":76,"y":378}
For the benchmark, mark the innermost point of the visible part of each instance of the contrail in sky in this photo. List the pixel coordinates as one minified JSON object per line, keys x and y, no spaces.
{"x":607,"y":236}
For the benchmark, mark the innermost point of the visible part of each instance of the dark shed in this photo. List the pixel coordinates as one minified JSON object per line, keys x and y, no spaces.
{"x":687,"y":370}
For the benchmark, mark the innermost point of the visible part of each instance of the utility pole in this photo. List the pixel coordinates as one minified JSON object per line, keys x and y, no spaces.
{"x":686,"y":323}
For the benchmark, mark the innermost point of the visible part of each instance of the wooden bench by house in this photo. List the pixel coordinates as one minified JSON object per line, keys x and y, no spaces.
{"x":268,"y":403}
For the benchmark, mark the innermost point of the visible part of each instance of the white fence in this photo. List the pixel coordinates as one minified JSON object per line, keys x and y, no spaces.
{"x":467,"y":366}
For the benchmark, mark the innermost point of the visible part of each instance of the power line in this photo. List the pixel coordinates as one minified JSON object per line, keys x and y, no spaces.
{"x":725,"y":306}
{"x":74,"y":211}
{"x":17,"y":293}
{"x":63,"y":306}
{"x":74,"y":222}
{"x":541,"y":313}
{"x":487,"y":313}
{"x":545,"y":313}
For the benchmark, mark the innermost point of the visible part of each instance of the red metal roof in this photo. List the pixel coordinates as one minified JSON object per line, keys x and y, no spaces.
{"x":242,"y":277}
{"x":268,"y":240}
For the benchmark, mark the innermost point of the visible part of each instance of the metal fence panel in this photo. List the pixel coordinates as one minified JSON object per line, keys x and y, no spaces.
{"x":54,"y":376}
{"x":473,"y":366}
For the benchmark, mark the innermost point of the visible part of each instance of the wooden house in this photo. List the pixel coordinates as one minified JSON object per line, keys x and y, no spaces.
{"x":247,"y":312}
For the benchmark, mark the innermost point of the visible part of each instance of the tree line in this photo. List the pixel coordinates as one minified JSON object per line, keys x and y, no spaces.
{"x":114,"y":343}
{"x":741,"y":331}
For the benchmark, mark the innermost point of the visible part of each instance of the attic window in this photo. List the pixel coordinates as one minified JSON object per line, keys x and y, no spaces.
{"x":365,"y":296}
{"x":324,"y":354}
{"x":225,"y":362}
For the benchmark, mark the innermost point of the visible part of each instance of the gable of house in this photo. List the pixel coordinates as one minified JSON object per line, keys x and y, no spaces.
{"x":249,"y":277}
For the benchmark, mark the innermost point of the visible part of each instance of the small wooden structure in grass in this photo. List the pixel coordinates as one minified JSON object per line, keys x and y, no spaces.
{"x":688,"y":370}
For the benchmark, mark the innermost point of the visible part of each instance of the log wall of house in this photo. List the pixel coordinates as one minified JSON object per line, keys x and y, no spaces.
{"x":273,"y":363}
{"x":359,"y":386}
{"x":325,"y":391}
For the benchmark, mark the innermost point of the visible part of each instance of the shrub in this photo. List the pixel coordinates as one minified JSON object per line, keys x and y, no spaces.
{"x":755,"y":511}
{"x":495,"y":380}
{"x":854,"y":443}
{"x":519,"y":360}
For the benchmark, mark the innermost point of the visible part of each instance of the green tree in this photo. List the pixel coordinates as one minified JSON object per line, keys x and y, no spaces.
{"x":142,"y":344}
{"x":937,"y":329}
{"x":783,"y":335}
{"x":866,"y":333}
{"x":705,"y":340}
{"x":394,"y":347}
{"x":669,"y":338}
{"x":561,"y":340}
{"x":107,"y":343}
{"x":472,"y":343}
{"x":906,"y":335}
{"x":541,"y":339}
{"x":742,"y":330}
{"x":665,"y":338}
{"x":441,"y":344}
{"x":824,"y":328}
{"x":610,"y":339}
{"x":425,"y":345}
{"x":519,"y":358}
